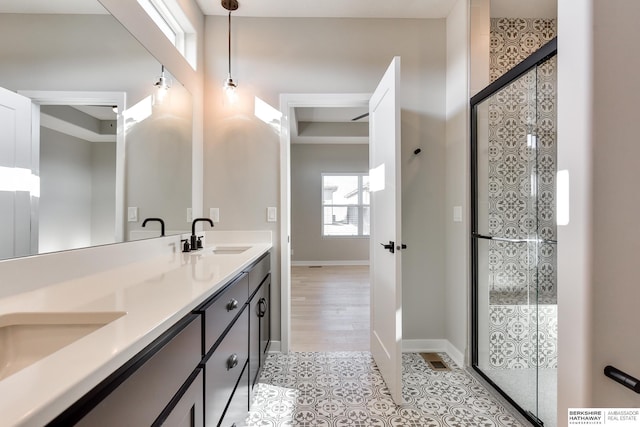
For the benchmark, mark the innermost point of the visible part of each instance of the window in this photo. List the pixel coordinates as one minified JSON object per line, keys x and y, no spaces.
{"x":174,"y":24}
{"x":345,"y":205}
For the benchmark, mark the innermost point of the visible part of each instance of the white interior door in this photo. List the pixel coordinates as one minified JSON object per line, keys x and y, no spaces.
{"x":385,"y":253}
{"x":17,"y":177}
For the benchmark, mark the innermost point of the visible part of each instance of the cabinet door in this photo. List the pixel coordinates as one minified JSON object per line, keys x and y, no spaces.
{"x":254,"y":336}
{"x":265,"y":319}
{"x":189,"y":411}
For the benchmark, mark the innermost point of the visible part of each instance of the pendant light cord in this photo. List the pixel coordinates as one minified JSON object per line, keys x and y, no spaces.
{"x":229,"y":47}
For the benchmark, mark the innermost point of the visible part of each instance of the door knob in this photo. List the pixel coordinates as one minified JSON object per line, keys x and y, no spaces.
{"x":391,"y":246}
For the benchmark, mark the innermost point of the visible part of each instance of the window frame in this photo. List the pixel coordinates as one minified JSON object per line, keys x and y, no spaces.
{"x":360,"y":205}
{"x":174,"y":24}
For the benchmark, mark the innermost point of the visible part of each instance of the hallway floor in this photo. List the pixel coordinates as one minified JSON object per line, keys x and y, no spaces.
{"x":345,"y":389}
{"x":330,"y":308}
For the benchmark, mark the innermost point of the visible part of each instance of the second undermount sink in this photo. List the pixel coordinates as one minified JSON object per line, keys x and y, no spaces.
{"x":230,"y":250}
{"x":26,"y":338}
{"x":221,"y":250}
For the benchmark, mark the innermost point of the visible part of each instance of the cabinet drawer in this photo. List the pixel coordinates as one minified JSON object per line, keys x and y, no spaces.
{"x":221,"y":312}
{"x":258,"y":272}
{"x":238,"y":409}
{"x":189,"y":410}
{"x":221,"y":376}
{"x":142,"y":396}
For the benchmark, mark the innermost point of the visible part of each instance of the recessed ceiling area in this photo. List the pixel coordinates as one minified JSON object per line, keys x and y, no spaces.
{"x":330,"y":125}
{"x":89,"y":123}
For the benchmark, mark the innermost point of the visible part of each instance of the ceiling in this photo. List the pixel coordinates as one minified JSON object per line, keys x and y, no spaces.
{"x":334,"y":8}
{"x":308,"y":8}
{"x":78,"y":7}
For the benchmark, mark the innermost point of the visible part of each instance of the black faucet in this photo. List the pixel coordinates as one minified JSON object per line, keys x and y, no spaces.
{"x":144,"y":223}
{"x":194,"y":238}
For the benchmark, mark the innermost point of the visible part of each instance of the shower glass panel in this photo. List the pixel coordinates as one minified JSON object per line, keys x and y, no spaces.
{"x":513,"y":236}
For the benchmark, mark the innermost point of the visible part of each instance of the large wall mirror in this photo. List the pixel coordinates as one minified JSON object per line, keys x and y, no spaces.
{"x":108,"y":146}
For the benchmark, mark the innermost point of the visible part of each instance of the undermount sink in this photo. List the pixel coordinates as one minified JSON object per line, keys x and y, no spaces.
{"x":221,"y":250}
{"x":26,"y":338}
{"x":230,"y":250}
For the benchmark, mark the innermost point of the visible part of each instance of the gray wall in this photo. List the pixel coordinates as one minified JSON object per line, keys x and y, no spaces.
{"x":308,"y":162}
{"x":77,"y":187}
{"x":274,"y":56}
{"x":456,"y":244}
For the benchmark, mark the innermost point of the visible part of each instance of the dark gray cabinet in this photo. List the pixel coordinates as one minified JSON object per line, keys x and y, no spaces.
{"x":141,"y":397}
{"x":199,"y":372}
{"x":227,"y":389}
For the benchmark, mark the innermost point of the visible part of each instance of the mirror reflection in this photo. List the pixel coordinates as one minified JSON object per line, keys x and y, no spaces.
{"x":106,"y":138}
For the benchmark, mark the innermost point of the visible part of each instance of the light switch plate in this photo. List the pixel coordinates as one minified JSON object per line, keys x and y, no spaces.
{"x":457,"y":214}
{"x":189,"y":214}
{"x":272,"y":214}
{"x":214,"y":214}
{"x":132,"y":214}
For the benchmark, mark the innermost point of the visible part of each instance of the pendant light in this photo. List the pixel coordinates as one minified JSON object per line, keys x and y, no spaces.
{"x":162,"y":87}
{"x":229,"y":85}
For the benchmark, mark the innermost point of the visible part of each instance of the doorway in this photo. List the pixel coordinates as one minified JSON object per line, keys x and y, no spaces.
{"x":288,"y":105}
{"x":65,"y":118}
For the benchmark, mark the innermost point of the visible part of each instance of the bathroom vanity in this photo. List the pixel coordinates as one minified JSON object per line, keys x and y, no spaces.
{"x":182,"y":344}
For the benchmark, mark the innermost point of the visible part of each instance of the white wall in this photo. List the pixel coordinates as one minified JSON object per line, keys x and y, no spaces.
{"x":134,"y":18}
{"x":457,"y":176}
{"x":308,"y":162}
{"x":274,"y":56}
{"x":598,"y":250}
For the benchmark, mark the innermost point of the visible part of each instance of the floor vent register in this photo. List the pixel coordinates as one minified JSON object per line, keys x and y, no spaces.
{"x":435,"y":361}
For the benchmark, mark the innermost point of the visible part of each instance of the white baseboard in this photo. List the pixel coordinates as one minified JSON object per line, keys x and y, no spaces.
{"x":412,"y":346}
{"x":328,"y":263}
{"x":275,"y":347}
{"x":434,"y":346}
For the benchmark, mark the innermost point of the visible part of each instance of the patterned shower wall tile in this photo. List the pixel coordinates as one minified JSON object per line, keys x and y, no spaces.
{"x":522,"y":337}
{"x":522,"y":166}
{"x":512,"y":40}
{"x":347,"y":390}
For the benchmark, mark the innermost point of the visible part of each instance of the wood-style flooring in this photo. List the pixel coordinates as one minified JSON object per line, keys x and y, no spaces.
{"x":330,"y":308}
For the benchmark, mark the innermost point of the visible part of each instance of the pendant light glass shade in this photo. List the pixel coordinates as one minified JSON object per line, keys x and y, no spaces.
{"x":162,"y":88}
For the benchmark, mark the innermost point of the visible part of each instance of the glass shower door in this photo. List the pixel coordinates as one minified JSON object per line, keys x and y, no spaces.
{"x":505,"y":239}
{"x":513,"y":240}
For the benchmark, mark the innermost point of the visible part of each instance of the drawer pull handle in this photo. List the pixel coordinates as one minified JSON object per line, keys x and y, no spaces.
{"x":262,"y":307}
{"x":232,"y":362}
{"x":232,"y":305}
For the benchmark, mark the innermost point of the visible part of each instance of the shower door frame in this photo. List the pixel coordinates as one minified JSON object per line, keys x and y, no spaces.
{"x":547,"y":51}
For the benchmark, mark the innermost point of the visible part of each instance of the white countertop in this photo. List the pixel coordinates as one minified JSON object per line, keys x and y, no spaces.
{"x":155,"y":294}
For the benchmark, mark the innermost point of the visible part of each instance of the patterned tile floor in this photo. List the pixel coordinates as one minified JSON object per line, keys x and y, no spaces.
{"x":345,"y":389}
